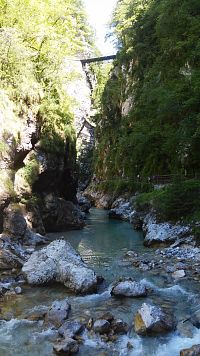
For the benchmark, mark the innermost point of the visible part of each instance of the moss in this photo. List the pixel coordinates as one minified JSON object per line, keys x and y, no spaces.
{"x":31,"y":171}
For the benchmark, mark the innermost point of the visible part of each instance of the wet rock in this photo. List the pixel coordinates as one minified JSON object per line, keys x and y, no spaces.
{"x":131,"y":254}
{"x":185,"y":329}
{"x":192,"y":351}
{"x":119,"y":326}
{"x":178,"y":274}
{"x":129,"y":345}
{"x":136,"y":220}
{"x":37,"y":313}
{"x":151,"y":319}
{"x":58,"y":313}
{"x":70,"y":329}
{"x":60,"y":262}
{"x":66,"y":347}
{"x":18,"y":290}
{"x":101,"y":326}
{"x":195,"y":319}
{"x":107,"y":316}
{"x":129,"y":288}
{"x":90,"y":324}
{"x":162,"y":233}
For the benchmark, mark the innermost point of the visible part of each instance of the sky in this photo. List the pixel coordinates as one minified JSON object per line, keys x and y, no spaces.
{"x":99,"y":14}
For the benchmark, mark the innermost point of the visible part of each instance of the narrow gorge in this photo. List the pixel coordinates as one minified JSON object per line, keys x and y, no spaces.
{"x":99,"y":180}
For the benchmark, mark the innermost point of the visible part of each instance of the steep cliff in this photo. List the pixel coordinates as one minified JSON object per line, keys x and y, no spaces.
{"x":38,"y":169}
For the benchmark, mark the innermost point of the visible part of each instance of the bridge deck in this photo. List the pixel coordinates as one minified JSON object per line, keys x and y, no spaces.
{"x":98,"y":59}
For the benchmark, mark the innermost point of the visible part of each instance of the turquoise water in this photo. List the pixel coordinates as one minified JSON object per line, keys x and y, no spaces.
{"x":102,"y":244}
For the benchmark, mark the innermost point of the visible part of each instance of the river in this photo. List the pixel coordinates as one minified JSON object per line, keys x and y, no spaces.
{"x":102,"y":244}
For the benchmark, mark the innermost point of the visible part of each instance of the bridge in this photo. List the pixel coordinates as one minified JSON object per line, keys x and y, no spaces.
{"x":97,"y":59}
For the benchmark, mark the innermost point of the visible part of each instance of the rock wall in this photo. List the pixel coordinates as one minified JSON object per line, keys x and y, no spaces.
{"x":41,"y":184}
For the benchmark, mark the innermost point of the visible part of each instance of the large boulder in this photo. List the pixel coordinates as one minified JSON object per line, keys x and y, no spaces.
{"x":59,"y":262}
{"x":60,"y":215}
{"x":192,"y":351}
{"x":162,"y":233}
{"x":151,"y":319}
{"x":129,"y":288}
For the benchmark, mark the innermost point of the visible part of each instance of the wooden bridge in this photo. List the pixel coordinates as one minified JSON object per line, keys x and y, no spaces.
{"x":97,"y":59}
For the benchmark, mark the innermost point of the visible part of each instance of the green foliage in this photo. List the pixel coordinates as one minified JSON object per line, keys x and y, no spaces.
{"x":36,"y":37}
{"x":180,"y":200}
{"x":31,"y":171}
{"x":158,"y":71}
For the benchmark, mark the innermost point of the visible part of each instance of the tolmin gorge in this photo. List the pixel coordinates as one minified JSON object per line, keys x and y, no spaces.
{"x":99,"y":180}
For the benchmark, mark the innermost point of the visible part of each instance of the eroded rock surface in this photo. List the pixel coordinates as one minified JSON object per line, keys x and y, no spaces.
{"x":151,"y":319}
{"x":61,"y":263}
{"x":129,"y":288}
{"x":162,"y":233}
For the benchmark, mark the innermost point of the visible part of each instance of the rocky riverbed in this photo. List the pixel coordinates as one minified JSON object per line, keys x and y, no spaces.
{"x":146,"y":300}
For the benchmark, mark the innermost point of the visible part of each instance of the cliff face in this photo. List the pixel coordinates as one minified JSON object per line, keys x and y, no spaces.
{"x":31,"y":175}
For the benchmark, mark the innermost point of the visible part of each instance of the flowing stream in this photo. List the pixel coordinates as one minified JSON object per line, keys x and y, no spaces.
{"x":102,"y":244}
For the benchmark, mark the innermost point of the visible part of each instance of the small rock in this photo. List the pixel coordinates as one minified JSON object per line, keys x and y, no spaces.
{"x":185,"y":329}
{"x":119,"y":326}
{"x":66,"y":347}
{"x":58,"y":313}
{"x":107,"y":316}
{"x":37,"y":313}
{"x":192,"y":351}
{"x":90,"y":324}
{"x":101,"y":326}
{"x":18,"y":290}
{"x":129,"y":345}
{"x":70,"y":329}
{"x":178,"y":274}
{"x":129,"y":288}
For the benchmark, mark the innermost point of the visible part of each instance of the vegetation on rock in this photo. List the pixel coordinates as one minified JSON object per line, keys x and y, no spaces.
{"x":150,"y":122}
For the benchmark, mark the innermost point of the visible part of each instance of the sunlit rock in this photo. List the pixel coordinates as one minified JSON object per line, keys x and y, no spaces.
{"x":59,"y":262}
{"x":151,"y":319}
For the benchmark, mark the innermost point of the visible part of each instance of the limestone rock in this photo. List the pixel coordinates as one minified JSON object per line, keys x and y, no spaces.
{"x":119,"y":326}
{"x":122,"y":209}
{"x":37,"y":313}
{"x":58,"y":313}
{"x":12,"y":255}
{"x":129,"y":288}
{"x":178,"y":274}
{"x":192,"y":351}
{"x":84,"y":203}
{"x":162,"y":233}
{"x":60,"y":262}
{"x":70,"y":329}
{"x":66,"y":347}
{"x":101,"y":326}
{"x":151,"y":319}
